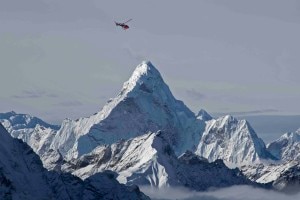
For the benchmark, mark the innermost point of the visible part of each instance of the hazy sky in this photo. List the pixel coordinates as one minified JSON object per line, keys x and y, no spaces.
{"x":66,"y":58}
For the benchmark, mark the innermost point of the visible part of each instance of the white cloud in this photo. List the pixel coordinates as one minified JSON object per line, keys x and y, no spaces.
{"x":230,"y":193}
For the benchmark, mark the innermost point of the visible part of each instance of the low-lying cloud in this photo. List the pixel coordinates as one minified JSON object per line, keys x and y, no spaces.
{"x":193,"y":94}
{"x":230,"y":193}
{"x":71,"y":103}
{"x":32,"y":94}
{"x":251,"y":112}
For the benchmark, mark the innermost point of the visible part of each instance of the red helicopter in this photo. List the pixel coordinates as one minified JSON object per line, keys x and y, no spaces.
{"x":123,"y":25}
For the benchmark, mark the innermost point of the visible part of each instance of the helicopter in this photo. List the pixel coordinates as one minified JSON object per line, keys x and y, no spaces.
{"x":123,"y":25}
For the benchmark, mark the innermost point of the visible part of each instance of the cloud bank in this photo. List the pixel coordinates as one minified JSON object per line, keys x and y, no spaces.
{"x":230,"y":193}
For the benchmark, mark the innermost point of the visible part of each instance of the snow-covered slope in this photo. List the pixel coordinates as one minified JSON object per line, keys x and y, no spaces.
{"x":15,"y":123}
{"x":287,"y":147}
{"x":139,"y":159}
{"x":150,"y":160}
{"x":233,"y":141}
{"x":22,"y":176}
{"x":35,"y":132}
{"x":289,"y":180}
{"x":32,"y":130}
{"x":281,"y":175}
{"x":284,"y":174}
{"x":144,"y":104}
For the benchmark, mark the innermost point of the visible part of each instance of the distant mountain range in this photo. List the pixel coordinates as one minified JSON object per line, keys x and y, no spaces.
{"x":147,"y":137}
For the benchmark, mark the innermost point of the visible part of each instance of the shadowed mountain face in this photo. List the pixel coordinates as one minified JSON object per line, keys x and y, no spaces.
{"x":22,"y":176}
{"x":36,"y":133}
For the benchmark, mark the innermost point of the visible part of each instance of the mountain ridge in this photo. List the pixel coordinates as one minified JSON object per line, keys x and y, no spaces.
{"x":287,"y":147}
{"x":145,"y":111}
{"x":149,"y":160}
{"x":22,"y":176}
{"x":145,"y":103}
{"x":233,"y":141}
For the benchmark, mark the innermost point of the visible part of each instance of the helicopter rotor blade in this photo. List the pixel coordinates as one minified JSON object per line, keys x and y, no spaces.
{"x":127,"y":21}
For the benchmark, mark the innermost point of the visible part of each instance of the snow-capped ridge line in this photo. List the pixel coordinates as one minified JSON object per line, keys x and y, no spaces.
{"x":233,"y":141}
{"x":17,"y":121}
{"x":286,"y":147}
{"x":144,"y":104}
{"x":203,"y":115}
{"x":22,"y":176}
{"x":149,"y":160}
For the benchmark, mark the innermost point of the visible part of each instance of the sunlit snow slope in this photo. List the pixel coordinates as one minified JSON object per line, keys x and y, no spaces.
{"x":144,"y":104}
{"x":233,"y":141}
{"x":150,"y":160}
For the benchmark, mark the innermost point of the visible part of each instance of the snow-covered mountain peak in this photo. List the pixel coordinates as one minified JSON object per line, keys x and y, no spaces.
{"x":226,"y":120}
{"x":145,"y":68}
{"x":229,"y":120}
{"x":203,"y":115}
{"x":287,"y":147}
{"x":13,"y":121}
{"x":291,"y":136}
{"x":145,"y":104}
{"x":145,"y":77}
{"x":233,"y":141}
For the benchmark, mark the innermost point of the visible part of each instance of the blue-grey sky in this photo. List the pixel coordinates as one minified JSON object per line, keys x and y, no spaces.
{"x":66,"y":58}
